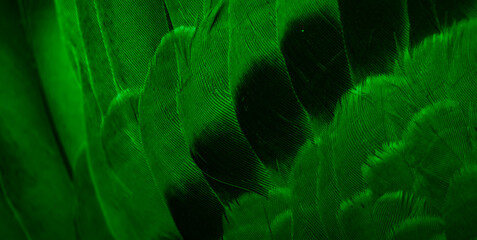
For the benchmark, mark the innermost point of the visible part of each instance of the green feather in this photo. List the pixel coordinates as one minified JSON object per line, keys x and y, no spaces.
{"x":93,"y":61}
{"x":158,"y":118}
{"x":62,"y":91}
{"x":208,"y":119}
{"x":356,"y":217}
{"x":460,"y":211}
{"x":387,"y":171}
{"x":393,"y":208}
{"x":11,"y":223}
{"x":185,"y":12}
{"x":376,"y":34}
{"x":131,"y":30}
{"x":437,"y":142}
{"x":328,"y":193}
{"x":374,"y":113}
{"x":131,"y":194}
{"x":429,"y":17}
{"x":310,"y":37}
{"x":443,"y":66}
{"x":282,"y":226}
{"x":417,"y":228}
{"x":254,"y":216}
{"x":35,"y":182}
{"x":176,"y":173}
{"x":269,"y":113}
{"x":307,"y":222}
{"x":90,"y":220}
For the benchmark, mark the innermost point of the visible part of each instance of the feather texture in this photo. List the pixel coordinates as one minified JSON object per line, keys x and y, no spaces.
{"x":310,"y":38}
{"x":355,"y":216}
{"x":131,"y":31}
{"x":35,"y":183}
{"x":307,"y":222}
{"x":210,"y":126}
{"x":269,"y":113}
{"x":376,"y":34}
{"x":388,"y":171}
{"x":418,"y":228}
{"x":437,"y":141}
{"x":190,"y":199}
{"x":369,"y":116}
{"x":460,"y":204}
{"x":328,"y":191}
{"x":185,"y":12}
{"x":228,"y":119}
{"x":254,"y":216}
{"x":127,"y":181}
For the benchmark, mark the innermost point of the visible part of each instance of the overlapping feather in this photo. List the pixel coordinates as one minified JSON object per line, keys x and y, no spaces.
{"x":222,"y":109}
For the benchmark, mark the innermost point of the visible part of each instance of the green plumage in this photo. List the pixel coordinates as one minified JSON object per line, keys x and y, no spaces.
{"x":228,"y":119}
{"x":418,"y":228}
{"x":388,"y":171}
{"x":208,"y":119}
{"x":460,"y":205}
{"x":356,"y":217}
{"x":35,"y":181}
{"x":307,"y":221}
{"x":127,"y":180}
{"x":254,"y":216}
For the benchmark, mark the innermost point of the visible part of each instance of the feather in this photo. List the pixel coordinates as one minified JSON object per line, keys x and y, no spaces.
{"x":95,"y":107}
{"x":437,"y":142}
{"x":375,"y":33}
{"x":387,"y":171}
{"x":382,"y":148}
{"x":11,"y":224}
{"x":185,"y":12}
{"x":209,"y":123}
{"x":307,"y":222}
{"x":131,"y":31}
{"x":195,"y":208}
{"x":443,"y":66}
{"x":254,"y":216}
{"x":93,"y":60}
{"x":310,"y":38}
{"x":62,"y":92}
{"x":417,"y":228}
{"x":68,"y":23}
{"x":448,"y":12}
{"x":35,"y":182}
{"x":129,"y":190}
{"x":282,"y":226}
{"x":423,"y":21}
{"x":429,"y":17}
{"x":355,"y":215}
{"x":460,"y":211}
{"x":372,"y":114}
{"x":90,"y":221}
{"x":158,"y":118}
{"x":459,"y":43}
{"x":269,"y":114}
{"x":328,"y":193}
{"x":393,"y":208}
